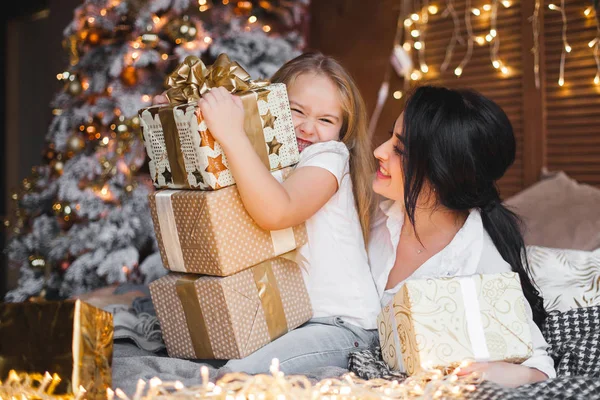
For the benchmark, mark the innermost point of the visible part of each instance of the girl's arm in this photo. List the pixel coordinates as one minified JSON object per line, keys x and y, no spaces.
{"x":272,"y":205}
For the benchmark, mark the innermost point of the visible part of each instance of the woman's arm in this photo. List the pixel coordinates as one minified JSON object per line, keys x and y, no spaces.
{"x":538,"y":367}
{"x":505,"y":374}
{"x":272,"y":205}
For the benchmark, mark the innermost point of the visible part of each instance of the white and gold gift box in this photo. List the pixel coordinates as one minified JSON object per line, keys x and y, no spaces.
{"x":442,"y":322}
{"x":183,"y":153}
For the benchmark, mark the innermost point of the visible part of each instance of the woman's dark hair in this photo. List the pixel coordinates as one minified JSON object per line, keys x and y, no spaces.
{"x":461,"y":143}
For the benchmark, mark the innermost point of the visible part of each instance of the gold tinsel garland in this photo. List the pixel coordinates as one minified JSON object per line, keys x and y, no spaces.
{"x":429,"y":384}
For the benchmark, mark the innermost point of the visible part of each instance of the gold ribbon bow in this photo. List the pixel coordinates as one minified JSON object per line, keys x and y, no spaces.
{"x":193,"y":78}
{"x":188,"y":83}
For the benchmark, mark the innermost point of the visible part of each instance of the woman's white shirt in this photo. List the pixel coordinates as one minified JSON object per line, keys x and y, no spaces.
{"x":470,"y":252}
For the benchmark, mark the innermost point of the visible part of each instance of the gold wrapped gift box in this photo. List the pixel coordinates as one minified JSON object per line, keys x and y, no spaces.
{"x":184,"y":155}
{"x":442,"y":322}
{"x":205,"y":317}
{"x":211,"y":233}
{"x":69,"y":338}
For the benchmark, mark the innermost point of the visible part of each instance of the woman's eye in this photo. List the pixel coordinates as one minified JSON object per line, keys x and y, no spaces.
{"x":296,"y":110}
{"x":326,"y":120}
{"x":398,"y":151}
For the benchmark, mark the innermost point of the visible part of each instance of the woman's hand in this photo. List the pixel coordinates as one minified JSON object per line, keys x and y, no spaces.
{"x":224,"y":115}
{"x":505,"y":374}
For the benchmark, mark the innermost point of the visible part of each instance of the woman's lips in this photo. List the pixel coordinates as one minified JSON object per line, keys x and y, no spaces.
{"x":382,"y":173}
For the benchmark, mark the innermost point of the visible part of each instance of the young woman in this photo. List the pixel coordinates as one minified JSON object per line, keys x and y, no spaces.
{"x":444,"y":215}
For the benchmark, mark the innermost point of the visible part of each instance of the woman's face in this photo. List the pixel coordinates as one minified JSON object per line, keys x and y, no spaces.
{"x":389,"y":180}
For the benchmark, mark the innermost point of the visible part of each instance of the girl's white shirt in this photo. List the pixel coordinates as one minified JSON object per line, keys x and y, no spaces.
{"x":334,"y":262}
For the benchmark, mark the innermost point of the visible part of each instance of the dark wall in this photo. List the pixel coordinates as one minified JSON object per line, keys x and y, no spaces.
{"x":32,"y":55}
{"x":360,"y":35}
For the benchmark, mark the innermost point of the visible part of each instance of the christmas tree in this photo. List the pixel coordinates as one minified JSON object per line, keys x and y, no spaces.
{"x":82,"y":218}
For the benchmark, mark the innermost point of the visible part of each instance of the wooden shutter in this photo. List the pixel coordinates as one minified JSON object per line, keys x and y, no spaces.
{"x":573,"y":110}
{"x":556,"y":127}
{"x":479,"y":73}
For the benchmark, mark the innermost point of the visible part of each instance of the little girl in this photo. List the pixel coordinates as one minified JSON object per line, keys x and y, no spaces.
{"x":329,"y":191}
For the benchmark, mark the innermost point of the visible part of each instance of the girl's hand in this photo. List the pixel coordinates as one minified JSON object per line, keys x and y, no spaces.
{"x":505,"y":374}
{"x":160,"y":99}
{"x":224,"y":115}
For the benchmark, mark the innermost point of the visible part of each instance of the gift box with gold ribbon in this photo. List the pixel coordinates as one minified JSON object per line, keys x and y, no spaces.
{"x":205,"y":317}
{"x":211,"y":233}
{"x":69,"y":338}
{"x":442,"y":322}
{"x":184,"y":155}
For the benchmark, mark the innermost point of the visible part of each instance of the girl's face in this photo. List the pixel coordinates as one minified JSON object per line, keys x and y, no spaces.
{"x":316,"y":109}
{"x":389,"y":181}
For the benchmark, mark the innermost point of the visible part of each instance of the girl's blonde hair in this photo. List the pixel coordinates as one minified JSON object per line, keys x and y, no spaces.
{"x":354,"y":132}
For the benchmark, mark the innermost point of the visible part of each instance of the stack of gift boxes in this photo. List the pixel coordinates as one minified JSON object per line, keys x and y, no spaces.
{"x":233,"y":286}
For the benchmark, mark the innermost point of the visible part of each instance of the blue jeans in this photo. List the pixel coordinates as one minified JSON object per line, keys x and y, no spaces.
{"x":321,"y":342}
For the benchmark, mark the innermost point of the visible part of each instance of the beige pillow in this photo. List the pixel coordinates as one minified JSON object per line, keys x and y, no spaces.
{"x":560,"y":213}
{"x":567,"y":279}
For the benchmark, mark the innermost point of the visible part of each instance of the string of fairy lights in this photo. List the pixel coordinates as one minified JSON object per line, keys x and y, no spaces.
{"x":594,"y":44}
{"x":416,"y":23}
{"x":412,"y":28}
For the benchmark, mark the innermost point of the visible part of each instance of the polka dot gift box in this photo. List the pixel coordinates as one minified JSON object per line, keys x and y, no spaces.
{"x":205,"y":317}
{"x":211,"y":233}
{"x":184,"y":155}
{"x":441,"y":322}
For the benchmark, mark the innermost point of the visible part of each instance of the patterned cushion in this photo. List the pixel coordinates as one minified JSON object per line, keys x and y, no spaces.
{"x":567,"y":279}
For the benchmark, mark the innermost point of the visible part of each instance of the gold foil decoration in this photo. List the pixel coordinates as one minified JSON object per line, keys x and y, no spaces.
{"x":70,"y":338}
